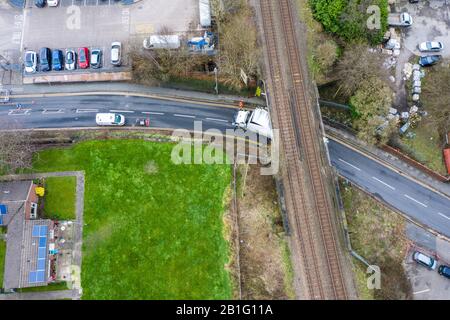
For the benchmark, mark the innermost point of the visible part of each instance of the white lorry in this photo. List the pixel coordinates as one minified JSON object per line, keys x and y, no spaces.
{"x":109,"y":119}
{"x":257,"y":121}
{"x":403,"y":19}
{"x":162,"y":42}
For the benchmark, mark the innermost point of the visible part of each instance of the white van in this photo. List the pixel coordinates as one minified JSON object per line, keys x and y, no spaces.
{"x":109,"y":119}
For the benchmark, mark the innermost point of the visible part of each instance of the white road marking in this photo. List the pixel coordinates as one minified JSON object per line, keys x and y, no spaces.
{"x":86,"y":110}
{"x":215,"y":119}
{"x":150,"y":112}
{"x":19,"y":112}
{"x":183,"y":115}
{"x":350,"y":164}
{"x":387,"y":185}
{"x":125,"y":111}
{"x":411,"y":198}
{"x":443,"y":215}
{"x":46,"y":111}
{"x":421,"y":291}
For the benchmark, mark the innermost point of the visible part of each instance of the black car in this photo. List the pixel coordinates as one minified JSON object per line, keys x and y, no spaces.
{"x":40,"y":3}
{"x":444,"y":271}
{"x":429,"y":60}
{"x":413,"y":1}
{"x":45,"y":60}
{"x":96,"y":58}
{"x":57,"y":60}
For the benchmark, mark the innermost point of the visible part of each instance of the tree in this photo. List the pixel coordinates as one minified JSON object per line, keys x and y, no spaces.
{"x":357,"y":64}
{"x":371,"y":103}
{"x":15,"y":149}
{"x":436,"y":97}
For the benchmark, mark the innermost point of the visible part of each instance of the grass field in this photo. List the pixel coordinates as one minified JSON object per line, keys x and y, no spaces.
{"x":154,"y":230}
{"x":2,"y":260}
{"x":60,"y":198}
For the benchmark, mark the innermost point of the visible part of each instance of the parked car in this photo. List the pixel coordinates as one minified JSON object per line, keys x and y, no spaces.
{"x":45,"y":62}
{"x":30,"y":61}
{"x":39,"y":3}
{"x":426,"y":61}
{"x":96,"y":58}
{"x":424,"y":260}
{"x":109,"y":119}
{"x":116,"y":53}
{"x":413,"y":1}
{"x":431,"y":46}
{"x":83,"y":58}
{"x":444,"y":271}
{"x":52,"y":3}
{"x":57,"y":60}
{"x":70,"y":60}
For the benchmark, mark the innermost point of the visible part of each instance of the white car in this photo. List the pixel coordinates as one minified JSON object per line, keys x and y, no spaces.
{"x":116,"y":53}
{"x":424,"y":260}
{"x":52,"y":3}
{"x":30,"y":61}
{"x":431,"y":46}
{"x":109,"y":119}
{"x":70,"y":60}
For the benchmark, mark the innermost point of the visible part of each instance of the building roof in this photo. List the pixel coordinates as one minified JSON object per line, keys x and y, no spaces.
{"x":14,"y":190}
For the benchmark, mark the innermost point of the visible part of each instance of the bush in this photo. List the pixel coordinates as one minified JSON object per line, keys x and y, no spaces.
{"x":348,"y":18}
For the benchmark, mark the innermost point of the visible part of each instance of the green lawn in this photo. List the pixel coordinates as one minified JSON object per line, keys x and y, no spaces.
{"x":60,"y":198}
{"x":2,"y":260}
{"x":154,"y":229}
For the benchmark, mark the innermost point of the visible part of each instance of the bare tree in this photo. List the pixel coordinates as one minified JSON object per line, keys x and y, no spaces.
{"x":359,"y":63}
{"x":16,"y":149}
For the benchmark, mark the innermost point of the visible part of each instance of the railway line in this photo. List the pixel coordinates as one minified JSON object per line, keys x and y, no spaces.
{"x":310,"y":214}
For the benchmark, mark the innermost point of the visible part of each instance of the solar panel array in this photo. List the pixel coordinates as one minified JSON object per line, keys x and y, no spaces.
{"x":38,"y":275}
{"x":3,"y":211}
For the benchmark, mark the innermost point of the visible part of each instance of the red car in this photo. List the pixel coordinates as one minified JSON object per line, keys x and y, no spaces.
{"x":83,"y":58}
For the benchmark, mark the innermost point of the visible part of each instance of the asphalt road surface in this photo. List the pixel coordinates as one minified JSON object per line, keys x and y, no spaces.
{"x":418,"y":202}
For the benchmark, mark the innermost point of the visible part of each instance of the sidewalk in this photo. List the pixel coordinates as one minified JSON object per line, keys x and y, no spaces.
{"x":396,"y":163}
{"x":44,"y":295}
{"x":130,"y":88}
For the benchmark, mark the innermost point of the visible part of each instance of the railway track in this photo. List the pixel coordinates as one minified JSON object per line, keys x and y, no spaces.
{"x":315,"y":232}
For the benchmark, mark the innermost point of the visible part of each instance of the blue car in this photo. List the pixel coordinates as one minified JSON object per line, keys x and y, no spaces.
{"x":429,"y":60}
{"x":57,"y":60}
{"x":444,"y":271}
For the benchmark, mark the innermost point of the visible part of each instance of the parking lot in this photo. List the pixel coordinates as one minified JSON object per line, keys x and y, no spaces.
{"x":90,"y":23}
{"x":431,"y":21}
{"x":427,"y":284}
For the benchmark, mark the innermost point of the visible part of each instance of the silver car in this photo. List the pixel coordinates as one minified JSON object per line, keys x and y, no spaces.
{"x":431,"y":46}
{"x":116,"y":53}
{"x":30,"y":61}
{"x":424,"y":260}
{"x":71,"y":60}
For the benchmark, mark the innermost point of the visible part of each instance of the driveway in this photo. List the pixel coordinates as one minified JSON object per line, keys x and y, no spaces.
{"x":431,"y":21}
{"x":427,"y":284}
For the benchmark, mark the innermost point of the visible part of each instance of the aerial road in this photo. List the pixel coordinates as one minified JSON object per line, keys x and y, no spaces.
{"x":411,"y":198}
{"x":420,"y":203}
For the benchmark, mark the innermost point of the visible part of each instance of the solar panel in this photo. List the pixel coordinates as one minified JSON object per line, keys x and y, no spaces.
{"x":41,"y":253}
{"x":3,"y":209}
{"x":41,"y":264}
{"x":35,"y":232}
{"x":40,"y":276}
{"x":42,"y":242}
{"x":32,"y":276}
{"x":43,"y":231}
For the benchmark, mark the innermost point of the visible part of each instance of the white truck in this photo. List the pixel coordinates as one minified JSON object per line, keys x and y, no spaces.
{"x":205,"y":13}
{"x":257,"y":121}
{"x":403,"y":19}
{"x":162,"y":42}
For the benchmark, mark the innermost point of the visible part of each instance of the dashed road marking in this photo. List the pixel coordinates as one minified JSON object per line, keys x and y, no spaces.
{"x":443,"y":215}
{"x":215,"y":119}
{"x":86,"y":110}
{"x":124,"y":111}
{"x":183,"y":115}
{"x":50,"y":111}
{"x":19,"y":112}
{"x":150,"y":112}
{"x":380,"y":181}
{"x":416,"y":201}
{"x":351,"y":165}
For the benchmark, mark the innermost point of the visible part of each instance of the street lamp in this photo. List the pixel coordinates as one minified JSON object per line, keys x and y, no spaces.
{"x":217,"y":85}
